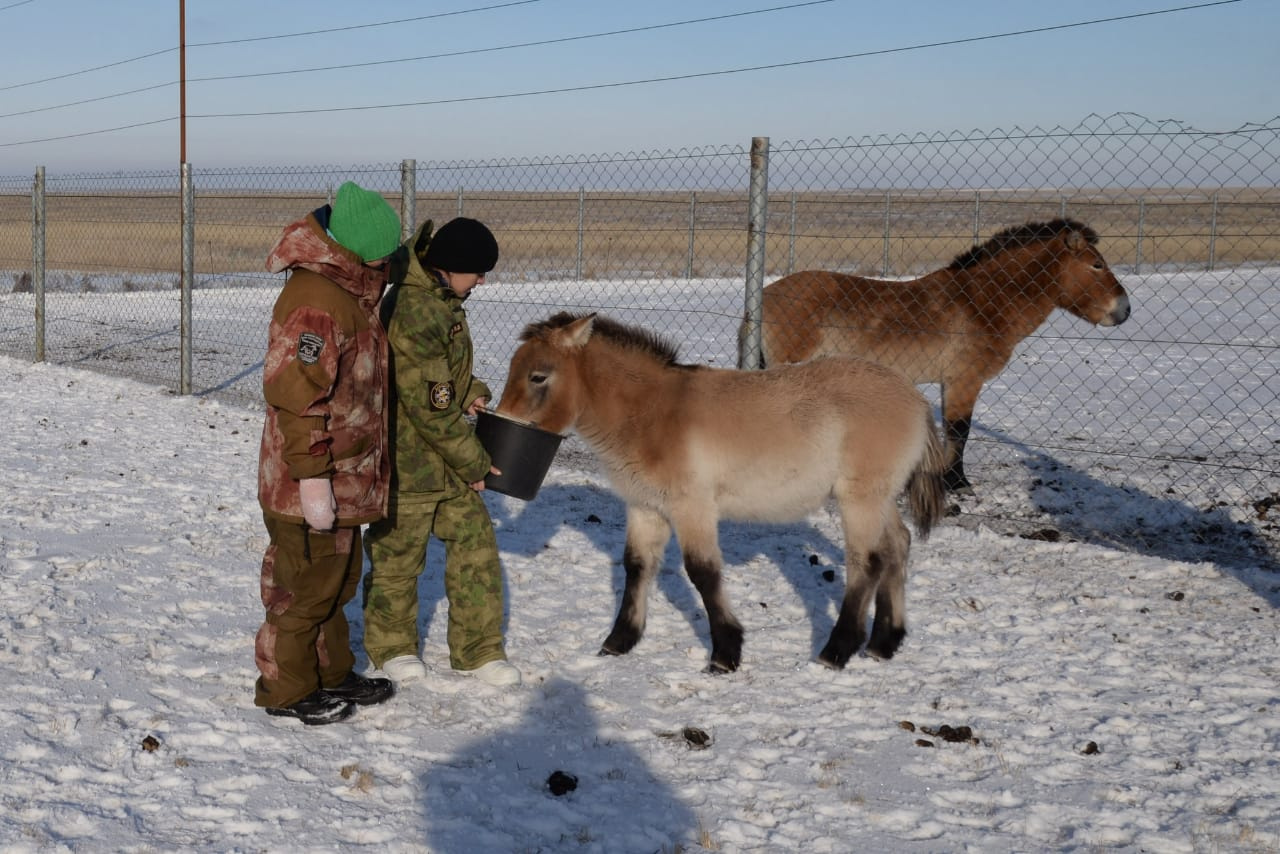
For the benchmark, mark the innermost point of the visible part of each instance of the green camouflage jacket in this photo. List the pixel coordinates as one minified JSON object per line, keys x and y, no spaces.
{"x":434,"y":448}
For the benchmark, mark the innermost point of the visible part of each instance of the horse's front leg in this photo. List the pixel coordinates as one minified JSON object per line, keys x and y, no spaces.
{"x":703,"y":563}
{"x":647,"y":536}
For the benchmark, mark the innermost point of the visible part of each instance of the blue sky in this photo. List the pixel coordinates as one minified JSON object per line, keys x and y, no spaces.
{"x":1214,"y":67}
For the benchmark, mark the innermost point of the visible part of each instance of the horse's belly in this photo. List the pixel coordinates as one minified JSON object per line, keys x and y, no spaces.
{"x":769,"y":493}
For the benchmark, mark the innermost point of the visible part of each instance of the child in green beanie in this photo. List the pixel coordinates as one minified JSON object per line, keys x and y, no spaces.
{"x":323,"y":467}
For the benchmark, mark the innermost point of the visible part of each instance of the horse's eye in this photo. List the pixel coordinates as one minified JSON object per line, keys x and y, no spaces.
{"x":537,"y":379}
{"x":1098,"y":265}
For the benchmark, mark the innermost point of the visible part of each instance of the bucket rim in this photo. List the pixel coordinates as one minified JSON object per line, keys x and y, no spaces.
{"x":519,"y":422}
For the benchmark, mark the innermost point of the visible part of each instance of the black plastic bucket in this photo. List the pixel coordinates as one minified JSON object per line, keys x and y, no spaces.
{"x":522,"y":452}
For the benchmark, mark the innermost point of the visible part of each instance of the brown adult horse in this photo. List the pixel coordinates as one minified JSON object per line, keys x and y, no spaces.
{"x":685,"y":446}
{"x":956,"y":326}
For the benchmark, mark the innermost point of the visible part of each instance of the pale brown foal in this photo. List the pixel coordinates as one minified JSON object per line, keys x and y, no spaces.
{"x":957,"y":326}
{"x":685,"y":446}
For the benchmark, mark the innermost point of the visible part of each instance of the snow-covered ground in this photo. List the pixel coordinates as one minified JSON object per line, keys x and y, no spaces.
{"x":1108,"y":680}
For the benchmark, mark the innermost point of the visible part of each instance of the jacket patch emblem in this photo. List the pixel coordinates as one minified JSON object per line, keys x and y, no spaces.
{"x":454,"y":330}
{"x":310,"y":346}
{"x":441,"y":395}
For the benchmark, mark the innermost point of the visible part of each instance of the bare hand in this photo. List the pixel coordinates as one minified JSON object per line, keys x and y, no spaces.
{"x":477,"y":405}
{"x":319,"y":508}
{"x":478,"y":486}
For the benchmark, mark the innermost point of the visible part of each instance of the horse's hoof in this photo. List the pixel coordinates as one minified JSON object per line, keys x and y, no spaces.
{"x":885,"y":642}
{"x":836,"y":655}
{"x":717,"y":668}
{"x":619,"y":642}
{"x":831,"y":665}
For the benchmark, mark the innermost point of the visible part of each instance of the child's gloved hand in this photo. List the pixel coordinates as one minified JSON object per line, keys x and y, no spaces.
{"x":319,"y":507}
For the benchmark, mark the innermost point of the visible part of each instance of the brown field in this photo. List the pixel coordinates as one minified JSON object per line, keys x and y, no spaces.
{"x":667,"y":234}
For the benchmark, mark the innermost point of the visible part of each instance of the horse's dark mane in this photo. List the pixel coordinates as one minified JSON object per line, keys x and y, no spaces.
{"x":629,"y":337}
{"x":1021,"y":235}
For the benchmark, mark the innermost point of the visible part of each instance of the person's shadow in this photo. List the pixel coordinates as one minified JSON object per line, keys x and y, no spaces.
{"x":499,"y":792}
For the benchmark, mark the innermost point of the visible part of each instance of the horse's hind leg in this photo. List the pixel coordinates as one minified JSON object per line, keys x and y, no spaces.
{"x":863,"y":571}
{"x":704,"y":564}
{"x":958,"y":399}
{"x":850,"y":630}
{"x":890,"y":624}
{"x":647,"y":537}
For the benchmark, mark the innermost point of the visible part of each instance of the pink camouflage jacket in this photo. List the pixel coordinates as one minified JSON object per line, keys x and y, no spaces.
{"x":324,"y":379}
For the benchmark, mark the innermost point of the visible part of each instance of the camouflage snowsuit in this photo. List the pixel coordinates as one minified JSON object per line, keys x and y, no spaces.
{"x":325,"y":384}
{"x":435,"y":456}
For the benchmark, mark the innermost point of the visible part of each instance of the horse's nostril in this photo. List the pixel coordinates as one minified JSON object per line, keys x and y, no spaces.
{"x":1121,"y":312}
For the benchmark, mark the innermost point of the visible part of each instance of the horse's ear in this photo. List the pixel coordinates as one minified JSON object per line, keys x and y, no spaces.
{"x":577,"y":334}
{"x":1075,"y":240}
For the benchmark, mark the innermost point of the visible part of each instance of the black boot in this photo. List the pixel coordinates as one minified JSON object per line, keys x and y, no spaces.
{"x":362,"y":690}
{"x":318,"y":707}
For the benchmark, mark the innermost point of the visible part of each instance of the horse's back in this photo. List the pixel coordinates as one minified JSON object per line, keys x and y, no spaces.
{"x":909,"y":325}
{"x":777,"y":443}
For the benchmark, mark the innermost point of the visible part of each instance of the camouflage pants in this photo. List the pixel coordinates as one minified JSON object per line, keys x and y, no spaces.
{"x":304,"y":643}
{"x":397,"y":548}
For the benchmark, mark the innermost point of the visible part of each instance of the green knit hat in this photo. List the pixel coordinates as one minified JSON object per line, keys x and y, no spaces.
{"x":363,"y":222}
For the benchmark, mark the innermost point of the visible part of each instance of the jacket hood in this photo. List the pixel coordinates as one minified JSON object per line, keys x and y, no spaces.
{"x":419,"y":276}
{"x":305,"y":245}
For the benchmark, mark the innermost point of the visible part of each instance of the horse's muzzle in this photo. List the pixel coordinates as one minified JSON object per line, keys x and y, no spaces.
{"x":1119,"y":312}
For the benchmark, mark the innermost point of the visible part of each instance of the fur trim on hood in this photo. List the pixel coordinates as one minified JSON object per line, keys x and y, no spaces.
{"x":305,"y":245}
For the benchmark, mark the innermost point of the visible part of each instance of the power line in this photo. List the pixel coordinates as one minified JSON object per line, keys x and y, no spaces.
{"x":365,"y":26}
{"x":87,"y":70}
{"x":515,"y":45}
{"x":619,"y":84}
{"x":722,"y":72}
{"x":419,"y":58}
{"x":260,"y":38}
{"x":88,"y":100}
{"x":89,"y":132}
{"x":15,"y":5}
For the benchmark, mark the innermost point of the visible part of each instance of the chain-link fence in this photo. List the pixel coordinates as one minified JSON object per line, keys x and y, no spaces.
{"x":1177,"y":405}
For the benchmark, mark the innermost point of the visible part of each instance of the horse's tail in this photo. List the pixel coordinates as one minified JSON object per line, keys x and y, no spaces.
{"x":926,"y":490}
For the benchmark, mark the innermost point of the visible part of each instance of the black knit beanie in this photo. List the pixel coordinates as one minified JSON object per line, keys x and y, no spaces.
{"x":462,"y":245}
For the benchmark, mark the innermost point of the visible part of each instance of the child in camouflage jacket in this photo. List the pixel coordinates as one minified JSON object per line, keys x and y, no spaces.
{"x":438,"y":466}
{"x":323,"y":467}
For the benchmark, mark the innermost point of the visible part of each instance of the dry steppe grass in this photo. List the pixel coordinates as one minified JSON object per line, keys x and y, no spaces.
{"x":667,"y":234}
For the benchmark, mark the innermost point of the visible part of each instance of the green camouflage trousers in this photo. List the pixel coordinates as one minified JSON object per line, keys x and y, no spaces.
{"x":397,"y":549}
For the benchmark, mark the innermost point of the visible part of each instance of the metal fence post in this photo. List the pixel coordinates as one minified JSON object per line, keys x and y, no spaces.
{"x":693,"y":216}
{"x":188,"y":275}
{"x":757,"y":214}
{"x":408,"y":198}
{"x":582,"y":202}
{"x":1213,"y":232}
{"x":977,"y":217}
{"x":791,"y":239}
{"x":884,"y":238}
{"x":459,"y":201}
{"x":1137,"y":256}
{"x":38,"y":257}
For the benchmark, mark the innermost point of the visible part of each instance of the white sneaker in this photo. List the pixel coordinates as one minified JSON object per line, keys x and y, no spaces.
{"x":498,"y":673}
{"x":404,"y":668}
